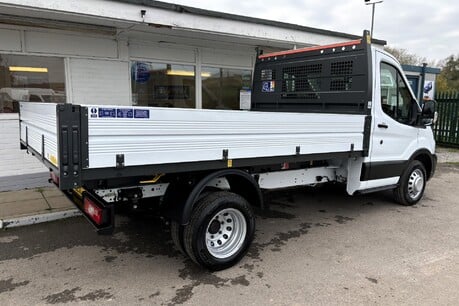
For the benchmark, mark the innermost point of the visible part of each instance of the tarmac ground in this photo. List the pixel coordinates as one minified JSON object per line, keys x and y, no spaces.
{"x":315,"y":246}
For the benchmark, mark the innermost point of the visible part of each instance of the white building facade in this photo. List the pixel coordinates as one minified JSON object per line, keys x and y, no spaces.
{"x":128,"y":52}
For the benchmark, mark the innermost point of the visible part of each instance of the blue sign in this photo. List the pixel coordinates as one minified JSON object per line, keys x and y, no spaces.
{"x":107,"y":112}
{"x":141,"y":113}
{"x":428,"y":87}
{"x":268,"y":86}
{"x":124,"y":113}
{"x":141,"y":72}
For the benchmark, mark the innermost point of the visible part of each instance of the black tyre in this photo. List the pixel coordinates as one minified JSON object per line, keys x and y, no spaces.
{"x":177,"y":236}
{"x":220,"y":230}
{"x":177,"y":230}
{"x":412,"y":184}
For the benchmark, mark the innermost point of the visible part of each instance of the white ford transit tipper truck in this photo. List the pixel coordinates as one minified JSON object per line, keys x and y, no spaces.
{"x":338,"y":113}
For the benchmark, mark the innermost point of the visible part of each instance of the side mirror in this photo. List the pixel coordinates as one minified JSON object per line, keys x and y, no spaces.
{"x":428,"y":109}
{"x":429,"y":115}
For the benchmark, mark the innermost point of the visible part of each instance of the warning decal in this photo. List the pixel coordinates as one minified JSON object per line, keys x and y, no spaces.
{"x":141,"y":113}
{"x":103,"y":112}
{"x":124,"y":113}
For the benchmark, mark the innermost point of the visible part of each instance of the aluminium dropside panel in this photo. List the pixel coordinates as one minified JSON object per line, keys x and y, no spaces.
{"x":154,"y":136}
{"x":38,"y":129}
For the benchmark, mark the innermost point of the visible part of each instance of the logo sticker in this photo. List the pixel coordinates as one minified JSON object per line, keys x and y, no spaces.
{"x":268,"y":86}
{"x":93,"y":112}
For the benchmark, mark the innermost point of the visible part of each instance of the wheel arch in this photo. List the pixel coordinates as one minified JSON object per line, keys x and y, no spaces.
{"x":181,"y":195}
{"x":427,"y":159}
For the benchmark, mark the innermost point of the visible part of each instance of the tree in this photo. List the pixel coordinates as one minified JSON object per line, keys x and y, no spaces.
{"x":448,"y":79}
{"x":404,"y":57}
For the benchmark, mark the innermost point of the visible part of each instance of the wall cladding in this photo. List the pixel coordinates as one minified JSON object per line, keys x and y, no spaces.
{"x":68,"y":44}
{"x":10,"y":40}
{"x":217,"y":58}
{"x":15,"y":161}
{"x":99,"y":82}
{"x":158,"y":52}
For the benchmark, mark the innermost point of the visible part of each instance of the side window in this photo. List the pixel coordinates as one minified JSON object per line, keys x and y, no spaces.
{"x":396,"y":100}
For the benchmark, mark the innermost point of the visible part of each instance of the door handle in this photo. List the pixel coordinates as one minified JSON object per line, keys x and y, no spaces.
{"x":383,"y":125}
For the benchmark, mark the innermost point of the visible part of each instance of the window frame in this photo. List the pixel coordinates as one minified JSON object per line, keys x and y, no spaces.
{"x":64,"y":58}
{"x":398,"y":78}
{"x":133,"y":60}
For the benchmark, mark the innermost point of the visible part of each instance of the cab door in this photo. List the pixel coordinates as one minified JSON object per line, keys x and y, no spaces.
{"x":394,"y":133}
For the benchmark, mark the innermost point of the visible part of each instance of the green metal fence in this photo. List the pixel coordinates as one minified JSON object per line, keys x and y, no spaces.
{"x":446,"y":130}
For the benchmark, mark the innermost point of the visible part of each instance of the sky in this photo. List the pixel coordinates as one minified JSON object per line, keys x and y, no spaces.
{"x":428,"y":29}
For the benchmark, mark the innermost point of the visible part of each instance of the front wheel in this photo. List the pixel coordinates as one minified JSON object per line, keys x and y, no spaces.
{"x":412,"y":184}
{"x":220,"y":230}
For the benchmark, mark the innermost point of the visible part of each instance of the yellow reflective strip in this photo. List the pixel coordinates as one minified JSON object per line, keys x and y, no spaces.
{"x":230,"y":163}
{"x":53,"y":160}
{"x":79,"y":191}
{"x":153,"y":180}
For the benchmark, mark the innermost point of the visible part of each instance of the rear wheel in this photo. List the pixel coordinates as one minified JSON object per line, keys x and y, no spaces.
{"x":412,"y":184}
{"x":177,"y":230}
{"x":220,"y":231}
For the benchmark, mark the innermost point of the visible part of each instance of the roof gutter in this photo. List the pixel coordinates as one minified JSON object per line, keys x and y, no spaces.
{"x":202,"y":12}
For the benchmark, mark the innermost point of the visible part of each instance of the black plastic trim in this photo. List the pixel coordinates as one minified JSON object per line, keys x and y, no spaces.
{"x":84,"y":138}
{"x":367,"y":135}
{"x":69,"y":145}
{"x":376,"y":189}
{"x":432,"y":157}
{"x":380,"y":170}
{"x":228,"y":173}
{"x":148,"y":170}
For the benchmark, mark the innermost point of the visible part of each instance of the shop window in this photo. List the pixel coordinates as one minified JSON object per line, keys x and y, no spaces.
{"x":221,"y":87}
{"x":30,"y":78}
{"x":163,"y":85}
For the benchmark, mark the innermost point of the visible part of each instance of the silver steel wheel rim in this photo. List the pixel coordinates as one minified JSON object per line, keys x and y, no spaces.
{"x":225,"y":240}
{"x":415,"y":184}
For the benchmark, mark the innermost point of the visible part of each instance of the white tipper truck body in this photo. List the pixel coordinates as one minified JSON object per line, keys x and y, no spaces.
{"x":340,"y":113}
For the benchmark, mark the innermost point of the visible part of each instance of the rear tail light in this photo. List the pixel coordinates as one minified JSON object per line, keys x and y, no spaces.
{"x":93,"y":210}
{"x":54,"y":178}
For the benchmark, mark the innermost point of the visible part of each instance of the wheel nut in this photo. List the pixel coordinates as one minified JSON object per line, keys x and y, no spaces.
{"x":229,"y":220}
{"x":225,"y":236}
{"x":229,"y":228}
{"x":219,"y":242}
{"x":212,"y":244}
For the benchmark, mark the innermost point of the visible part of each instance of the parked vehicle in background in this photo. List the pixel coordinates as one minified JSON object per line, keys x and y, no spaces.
{"x":33,"y":94}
